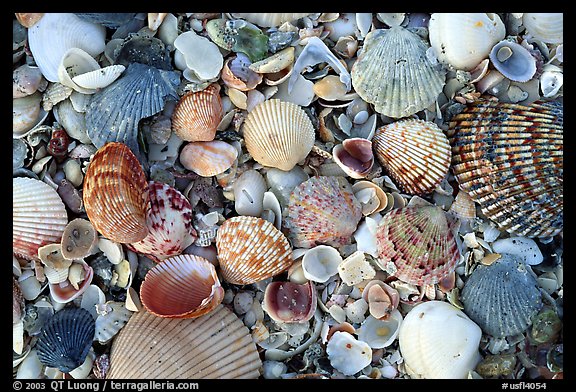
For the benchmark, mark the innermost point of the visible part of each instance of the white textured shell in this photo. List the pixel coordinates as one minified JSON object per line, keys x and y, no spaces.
{"x":111,"y":321}
{"x":437,"y":340}
{"x":99,"y":78}
{"x":547,"y":27}
{"x":269,"y":19}
{"x":347,"y":354}
{"x":208,"y":159}
{"x":76,"y":62}
{"x":249,"y":189}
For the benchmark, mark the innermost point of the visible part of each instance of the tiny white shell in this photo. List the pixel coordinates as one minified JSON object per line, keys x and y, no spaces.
{"x":320,"y":263}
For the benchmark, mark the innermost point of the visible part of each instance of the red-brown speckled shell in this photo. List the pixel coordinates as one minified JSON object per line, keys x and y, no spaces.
{"x":289,"y":302}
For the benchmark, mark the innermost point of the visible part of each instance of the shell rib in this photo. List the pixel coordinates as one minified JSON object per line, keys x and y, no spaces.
{"x":197,"y":115}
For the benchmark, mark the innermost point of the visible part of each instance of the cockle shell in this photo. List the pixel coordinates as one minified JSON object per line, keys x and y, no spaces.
{"x":278,"y":134}
{"x":208,"y":159}
{"x":513,"y":60}
{"x":416,"y":244}
{"x":38,"y":216}
{"x":288,"y":302}
{"x":432,"y":322}
{"x":509,"y":159}
{"x":197,"y":115}
{"x":503,"y":297}
{"x":394,"y":74}
{"x":463,"y":206}
{"x":251,"y":249}
{"x":546,"y":27}
{"x":216,"y":345}
{"x":73,"y":63}
{"x":269,"y":19}
{"x":322,"y":210}
{"x":416,"y":154}
{"x":184,"y":286}
{"x":29,"y":19}
{"x":115,"y":194}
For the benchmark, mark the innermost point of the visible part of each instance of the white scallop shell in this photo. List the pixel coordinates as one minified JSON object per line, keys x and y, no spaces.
{"x":320,"y":263}
{"x":99,"y":78}
{"x":513,"y":60}
{"x":249,"y":191}
{"x":269,"y":19}
{"x":546,"y":27}
{"x":76,"y":62}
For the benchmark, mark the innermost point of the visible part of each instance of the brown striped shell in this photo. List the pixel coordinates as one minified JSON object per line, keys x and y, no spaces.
{"x":116,"y":194}
{"x":251,"y":249}
{"x":416,"y":244}
{"x":197,"y":115}
{"x":509,"y":159}
{"x":416,"y":154}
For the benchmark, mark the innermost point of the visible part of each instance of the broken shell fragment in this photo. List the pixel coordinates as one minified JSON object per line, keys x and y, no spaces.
{"x":249,"y":189}
{"x":355,"y":268}
{"x":197,"y":114}
{"x":320,"y":263}
{"x":206,"y":66}
{"x":79,"y":239}
{"x":372,"y":198}
{"x":269,"y":19}
{"x":80,"y":276}
{"x":348,"y":355}
{"x":289,"y":302}
{"x":17,"y":301}
{"x":237,"y":73}
{"x":382,"y":299}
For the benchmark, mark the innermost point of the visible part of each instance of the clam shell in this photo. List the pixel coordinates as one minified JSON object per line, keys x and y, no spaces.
{"x":26,"y":80}
{"x":503,"y":297}
{"x":354,"y":156}
{"x":509,"y":159}
{"x":432,"y":322}
{"x":416,"y":154}
{"x":288,"y":302}
{"x":249,"y":189}
{"x":380,"y":333}
{"x":65,"y":292}
{"x":216,"y":345}
{"x":26,"y":114}
{"x":513,"y":60}
{"x":38,"y":216}
{"x":72,"y":121}
{"x":251,"y":249}
{"x":394,"y":73}
{"x":204,"y":67}
{"x":66,"y":339}
{"x":197,"y":115}
{"x":322,"y":210}
{"x":320,"y":263}
{"x":208,"y":159}
{"x":115,"y":194}
{"x":416,"y":245}
{"x":269,"y":19}
{"x":237,"y":73}
{"x":546,"y":27}
{"x":278,"y":134}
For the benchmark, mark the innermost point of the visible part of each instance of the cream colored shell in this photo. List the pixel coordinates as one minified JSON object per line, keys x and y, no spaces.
{"x":546,"y":27}
{"x":269,"y":19}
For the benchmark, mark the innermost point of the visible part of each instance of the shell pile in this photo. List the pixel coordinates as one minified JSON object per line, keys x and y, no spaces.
{"x":287,"y":195}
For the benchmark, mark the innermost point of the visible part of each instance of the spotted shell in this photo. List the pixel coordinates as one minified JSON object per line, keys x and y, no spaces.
{"x":509,"y":159}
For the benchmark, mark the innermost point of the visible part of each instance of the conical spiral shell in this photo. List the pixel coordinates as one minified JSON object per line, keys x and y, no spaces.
{"x":394,"y":73}
{"x":415,"y":153}
{"x":416,"y":245}
{"x":251,"y":249}
{"x":38,"y":216}
{"x":197,"y":115}
{"x":278,"y":134}
{"x":509,"y":159}
{"x":116,"y":194}
{"x":216,"y":345}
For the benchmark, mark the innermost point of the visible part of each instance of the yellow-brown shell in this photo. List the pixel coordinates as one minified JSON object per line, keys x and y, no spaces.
{"x":197,"y":115}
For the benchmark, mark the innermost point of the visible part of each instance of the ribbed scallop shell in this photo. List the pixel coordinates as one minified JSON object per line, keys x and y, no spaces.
{"x":66,"y":339}
{"x":38,"y":216}
{"x":278,"y":134}
{"x":394,"y":73}
{"x":208,"y":159}
{"x":184,"y":286}
{"x":416,"y":154}
{"x":216,"y":345}
{"x":416,"y":245}
{"x":509,"y":159}
{"x":269,"y":19}
{"x":197,"y":115}
{"x":546,"y":27}
{"x":169,"y":223}
{"x":115,"y":194}
{"x":502,"y":297}
{"x":322,"y":210}
{"x":463,"y":206}
{"x":251,"y":249}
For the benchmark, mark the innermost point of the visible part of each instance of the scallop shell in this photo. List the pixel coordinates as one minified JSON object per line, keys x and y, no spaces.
{"x":197,"y":115}
{"x":251,"y":249}
{"x":503,"y":297}
{"x":269,"y":19}
{"x":38,"y":216}
{"x":513,"y":60}
{"x":66,"y":339}
{"x":278,"y":134}
{"x":509,"y":159}
{"x":416,"y":245}
{"x":183,"y":286}
{"x":416,"y":154}
{"x":432,"y":322}
{"x":546,"y":27}
{"x":394,"y":73}
{"x":115,"y":194}
{"x":322,"y":210}
{"x":216,"y":345}
{"x":208,"y":159}
{"x":464,"y":40}
{"x":169,"y":222}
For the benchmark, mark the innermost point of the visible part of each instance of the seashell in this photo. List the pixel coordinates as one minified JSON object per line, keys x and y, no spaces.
{"x":371,"y":197}
{"x":436,"y":321}
{"x":508,"y":158}
{"x":99,"y":78}
{"x":394,"y":73}
{"x":26,"y":80}
{"x":513,"y":60}
{"x":72,"y":121}
{"x":463,"y":207}
{"x":208,"y":159}
{"x":29,"y":19}
{"x":416,"y":245}
{"x":380,"y":333}
{"x":144,"y":49}
{"x":26,"y":114}
{"x":546,"y":27}
{"x":92,"y":297}
{"x":348,"y":355}
{"x":17,"y":302}
{"x":197,"y":115}
{"x":464,"y":40}
{"x":354,"y":156}
{"x":29,"y":285}
{"x":415,"y":153}
{"x":355,"y":268}
{"x":275,"y":63}
{"x":169,"y":222}
{"x":322,"y":210}
{"x":271,"y":205}
{"x":78,"y":239}
{"x":38,"y":216}
{"x":288,"y":302}
{"x":278,"y":134}
{"x":524,"y":248}
{"x":183,"y":286}
{"x":112,"y":317}
{"x":391,"y":18}
{"x":330,"y":88}
{"x":551,"y":81}
{"x":216,"y":345}
{"x":382,"y":299}
{"x":249,"y":189}
{"x":237,"y":74}
{"x":320,"y":263}
{"x":56,"y":33}
{"x":503,"y":297}
{"x":205,"y":67}
{"x":238,"y":36}
{"x":251,"y":249}
{"x":269,"y":19}
{"x":66,"y":339}
{"x":115,"y":194}
{"x":79,"y":278}
{"x":55,"y":93}
{"x":76,"y":62}
{"x":155,"y":20}
{"x":111,"y":20}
